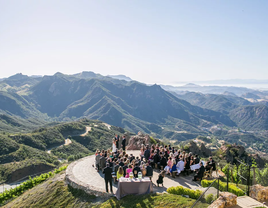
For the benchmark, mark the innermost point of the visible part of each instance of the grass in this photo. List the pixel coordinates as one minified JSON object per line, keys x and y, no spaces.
{"x":151,"y":200}
{"x":55,"y":193}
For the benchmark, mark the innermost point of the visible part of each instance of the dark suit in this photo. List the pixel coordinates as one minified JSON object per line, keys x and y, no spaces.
{"x":124,"y":143}
{"x":149,"y":171}
{"x":163,"y":162}
{"x":137,"y":168}
{"x":200,"y":173}
{"x":102,"y":162}
{"x":147,"y":154}
{"x":108,"y":178}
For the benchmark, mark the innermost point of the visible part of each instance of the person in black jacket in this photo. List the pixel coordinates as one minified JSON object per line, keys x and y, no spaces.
{"x":137,"y":168}
{"x":108,"y":177}
{"x":163,"y":162}
{"x":147,"y":153}
{"x":156,"y":158}
{"x":149,"y":171}
{"x":200,"y":173}
{"x":124,"y":143}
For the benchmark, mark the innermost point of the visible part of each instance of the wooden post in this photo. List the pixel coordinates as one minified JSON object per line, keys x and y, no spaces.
{"x":254,"y":176}
{"x":232,"y":178}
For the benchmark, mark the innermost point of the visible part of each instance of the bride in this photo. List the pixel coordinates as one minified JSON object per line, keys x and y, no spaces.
{"x":114,"y":146}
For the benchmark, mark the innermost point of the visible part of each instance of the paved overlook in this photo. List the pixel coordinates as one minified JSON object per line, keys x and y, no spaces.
{"x":81,"y":174}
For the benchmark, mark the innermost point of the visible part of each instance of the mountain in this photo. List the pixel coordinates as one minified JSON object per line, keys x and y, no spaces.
{"x":221,"y":103}
{"x":131,"y":105}
{"x":251,"y":117}
{"x":121,"y":77}
{"x":18,"y":82}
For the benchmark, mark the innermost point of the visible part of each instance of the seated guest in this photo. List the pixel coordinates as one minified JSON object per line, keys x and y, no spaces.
{"x":163,"y":161}
{"x":129,"y":169}
{"x":120,"y":173}
{"x":212,"y":163}
{"x":131,"y":157}
{"x":136,"y":170}
{"x":160,"y":178}
{"x":207,"y":167}
{"x":192,"y":161}
{"x":187,"y":165}
{"x":116,"y":167}
{"x":125,"y":168}
{"x":143,"y":170}
{"x":196,"y":160}
{"x":149,"y":171}
{"x":180,"y":166}
{"x":200,"y":172}
{"x":121,"y":162}
{"x":173,"y":168}
{"x":156,"y":158}
{"x":169,"y":165}
{"x":102,"y":163}
{"x":110,"y":161}
{"x":151,"y":159}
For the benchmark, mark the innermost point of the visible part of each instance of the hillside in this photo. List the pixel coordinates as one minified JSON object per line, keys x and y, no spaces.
{"x":251,"y":117}
{"x":55,"y":193}
{"x":130,"y":105}
{"x":28,"y":152}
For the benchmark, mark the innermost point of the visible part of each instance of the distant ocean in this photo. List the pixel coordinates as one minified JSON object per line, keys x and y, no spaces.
{"x":251,"y":86}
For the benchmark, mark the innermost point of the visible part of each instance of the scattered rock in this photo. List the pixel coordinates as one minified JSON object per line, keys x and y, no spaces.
{"x":135,"y":142}
{"x":226,"y":199}
{"x":258,"y":192}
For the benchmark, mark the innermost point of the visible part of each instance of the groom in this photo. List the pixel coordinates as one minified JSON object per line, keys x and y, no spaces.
{"x":124,"y":143}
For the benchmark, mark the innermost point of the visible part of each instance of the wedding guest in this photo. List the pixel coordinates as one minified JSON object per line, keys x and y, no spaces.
{"x":108,"y":177}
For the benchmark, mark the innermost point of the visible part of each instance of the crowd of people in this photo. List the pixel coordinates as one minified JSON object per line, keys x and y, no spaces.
{"x":166,"y":159}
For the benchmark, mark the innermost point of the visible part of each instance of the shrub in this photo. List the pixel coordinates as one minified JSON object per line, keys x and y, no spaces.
{"x":13,"y":192}
{"x":223,"y":186}
{"x":209,"y":198}
{"x":180,"y":190}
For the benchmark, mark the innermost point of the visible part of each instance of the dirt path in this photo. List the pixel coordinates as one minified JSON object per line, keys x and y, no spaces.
{"x":68,"y":141}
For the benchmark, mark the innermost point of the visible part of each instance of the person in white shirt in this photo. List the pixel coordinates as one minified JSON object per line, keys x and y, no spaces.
{"x":180,"y":166}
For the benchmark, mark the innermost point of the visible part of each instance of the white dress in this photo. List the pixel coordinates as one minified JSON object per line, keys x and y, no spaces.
{"x":114,"y":147}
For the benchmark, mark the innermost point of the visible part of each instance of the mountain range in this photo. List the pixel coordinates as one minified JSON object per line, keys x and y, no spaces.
{"x":119,"y":101}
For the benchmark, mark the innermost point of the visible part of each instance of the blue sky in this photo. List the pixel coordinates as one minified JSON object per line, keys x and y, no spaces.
{"x":152,"y":41}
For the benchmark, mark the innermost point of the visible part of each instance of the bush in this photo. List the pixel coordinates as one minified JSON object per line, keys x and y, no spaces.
{"x":180,"y":190}
{"x":223,"y":186}
{"x":13,"y":192}
{"x":209,"y":198}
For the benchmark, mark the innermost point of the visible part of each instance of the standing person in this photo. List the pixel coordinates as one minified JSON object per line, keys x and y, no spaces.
{"x":97,"y":159}
{"x":124,"y":143}
{"x":147,"y":153}
{"x":114,"y":145}
{"x":108,"y":177}
{"x":117,"y":141}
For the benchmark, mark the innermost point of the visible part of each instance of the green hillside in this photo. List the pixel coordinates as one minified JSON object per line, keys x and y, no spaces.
{"x":55,"y":193}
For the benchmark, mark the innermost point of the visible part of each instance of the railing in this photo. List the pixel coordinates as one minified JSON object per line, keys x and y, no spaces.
{"x":25,"y":178}
{"x":203,"y":194}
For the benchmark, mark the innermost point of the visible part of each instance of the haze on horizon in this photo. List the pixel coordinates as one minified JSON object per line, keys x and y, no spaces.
{"x":148,"y":41}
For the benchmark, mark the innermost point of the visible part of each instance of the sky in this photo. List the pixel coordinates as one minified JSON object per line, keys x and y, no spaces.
{"x":151,"y":41}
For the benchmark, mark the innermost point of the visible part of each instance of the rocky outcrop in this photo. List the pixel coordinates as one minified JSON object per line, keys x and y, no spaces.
{"x":226,"y":199}
{"x":258,"y":192}
{"x":201,"y":151}
{"x":135,"y":142}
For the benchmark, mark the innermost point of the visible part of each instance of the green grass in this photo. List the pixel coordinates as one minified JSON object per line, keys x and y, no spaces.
{"x":152,"y":200}
{"x":56,"y":193}
{"x":53,"y":193}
